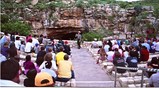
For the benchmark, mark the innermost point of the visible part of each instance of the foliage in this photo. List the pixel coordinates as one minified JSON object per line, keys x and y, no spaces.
{"x":4,"y":18}
{"x":91,"y":35}
{"x":20,"y":27}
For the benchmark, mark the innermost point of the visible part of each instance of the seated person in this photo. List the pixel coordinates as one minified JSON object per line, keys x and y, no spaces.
{"x":154,"y":80}
{"x":119,"y":61}
{"x":29,"y":81}
{"x":144,"y":54}
{"x":102,"y":56}
{"x":9,"y":73}
{"x":132,"y":61}
{"x":48,"y":69}
{"x":28,"y":64}
{"x":65,"y":70}
{"x":44,"y":79}
{"x":154,"y":63}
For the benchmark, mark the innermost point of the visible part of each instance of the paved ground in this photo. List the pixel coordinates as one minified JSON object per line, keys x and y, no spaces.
{"x":87,"y":72}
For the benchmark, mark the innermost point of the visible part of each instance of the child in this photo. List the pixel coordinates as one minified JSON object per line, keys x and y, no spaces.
{"x":28,"y":64}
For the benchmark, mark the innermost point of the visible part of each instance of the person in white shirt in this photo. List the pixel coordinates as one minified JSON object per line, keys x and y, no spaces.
{"x":48,"y":69}
{"x":35,"y":40}
{"x":126,"y":53}
{"x":157,"y":46}
{"x":48,"y":57}
{"x":29,"y":46}
{"x":110,"y":55}
{"x":115,"y":46}
{"x":17,"y":43}
{"x":106,"y":47}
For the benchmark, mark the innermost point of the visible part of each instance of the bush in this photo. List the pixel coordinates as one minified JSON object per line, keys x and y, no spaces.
{"x":91,"y":35}
{"x":20,"y":27}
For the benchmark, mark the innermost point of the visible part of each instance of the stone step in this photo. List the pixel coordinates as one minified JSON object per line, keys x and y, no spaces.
{"x":94,"y":83}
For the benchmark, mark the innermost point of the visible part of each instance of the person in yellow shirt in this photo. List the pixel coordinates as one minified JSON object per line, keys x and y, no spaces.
{"x":60,"y":55}
{"x":65,"y":70}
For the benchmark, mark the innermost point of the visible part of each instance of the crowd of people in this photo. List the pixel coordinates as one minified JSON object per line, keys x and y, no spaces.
{"x":131,"y":54}
{"x":52,"y":62}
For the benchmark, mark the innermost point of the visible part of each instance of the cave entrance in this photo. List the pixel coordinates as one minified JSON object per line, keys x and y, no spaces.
{"x":66,"y":33}
{"x":68,"y":36}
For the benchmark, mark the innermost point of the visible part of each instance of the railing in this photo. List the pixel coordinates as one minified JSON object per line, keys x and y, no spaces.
{"x":130,"y":68}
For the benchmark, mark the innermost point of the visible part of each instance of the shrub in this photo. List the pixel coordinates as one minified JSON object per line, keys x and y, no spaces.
{"x":20,"y":27}
{"x":91,"y":35}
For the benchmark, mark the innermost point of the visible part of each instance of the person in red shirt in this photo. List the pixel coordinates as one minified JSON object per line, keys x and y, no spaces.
{"x":144,"y":54}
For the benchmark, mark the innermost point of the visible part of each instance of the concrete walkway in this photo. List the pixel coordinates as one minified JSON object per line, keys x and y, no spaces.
{"x":87,"y":72}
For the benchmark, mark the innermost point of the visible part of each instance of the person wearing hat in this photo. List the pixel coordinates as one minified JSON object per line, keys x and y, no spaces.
{"x":67,"y":48}
{"x":79,"y":39}
{"x":44,"y":79}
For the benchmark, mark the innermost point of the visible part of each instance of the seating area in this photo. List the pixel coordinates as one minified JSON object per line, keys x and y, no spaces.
{"x":127,"y":79}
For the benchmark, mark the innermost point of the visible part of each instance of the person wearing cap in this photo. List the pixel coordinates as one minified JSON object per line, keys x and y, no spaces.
{"x":79,"y":39}
{"x":67,"y":48}
{"x":44,"y":79}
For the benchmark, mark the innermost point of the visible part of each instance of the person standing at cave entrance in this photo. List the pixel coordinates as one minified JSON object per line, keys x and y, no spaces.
{"x":79,"y":39}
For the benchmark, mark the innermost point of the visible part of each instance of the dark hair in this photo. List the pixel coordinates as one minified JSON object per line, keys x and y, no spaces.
{"x":48,"y":57}
{"x":30,"y":40}
{"x":155,"y":60}
{"x":31,"y":73}
{"x":117,"y":54}
{"x":22,"y":42}
{"x":42,"y":48}
{"x":132,"y":53}
{"x":17,"y":58}
{"x":48,"y":64}
{"x":61,"y":48}
{"x":17,"y":38}
{"x":28,"y":58}
{"x":66,"y":57}
{"x":9,"y":69}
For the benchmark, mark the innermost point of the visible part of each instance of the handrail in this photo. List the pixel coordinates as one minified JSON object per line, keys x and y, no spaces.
{"x":133,"y":68}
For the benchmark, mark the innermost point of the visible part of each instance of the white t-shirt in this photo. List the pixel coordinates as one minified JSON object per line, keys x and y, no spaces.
{"x":35,"y":41}
{"x":106,"y":48}
{"x":157,"y":46}
{"x":115,"y":46}
{"x":110,"y":55}
{"x":126,"y":54}
{"x":28,"y":47}
{"x":54,"y":67}
{"x":17,"y":44}
{"x":8,"y":83}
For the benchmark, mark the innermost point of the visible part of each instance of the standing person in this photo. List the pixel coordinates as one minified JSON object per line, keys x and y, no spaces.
{"x":79,"y":39}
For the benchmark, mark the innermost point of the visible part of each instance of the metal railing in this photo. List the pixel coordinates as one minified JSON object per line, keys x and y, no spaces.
{"x":131,"y":68}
